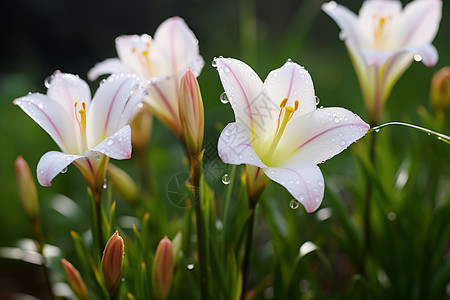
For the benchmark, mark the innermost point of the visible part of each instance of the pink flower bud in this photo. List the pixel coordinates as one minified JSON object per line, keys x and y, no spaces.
{"x":163,"y":269}
{"x":191,"y":112}
{"x":27,"y":189}
{"x":440,"y":89}
{"x":123,"y":184}
{"x":75,"y":280}
{"x":112,"y":262}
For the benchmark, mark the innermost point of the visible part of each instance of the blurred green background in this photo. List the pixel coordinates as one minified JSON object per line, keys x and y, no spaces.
{"x":39,"y":37}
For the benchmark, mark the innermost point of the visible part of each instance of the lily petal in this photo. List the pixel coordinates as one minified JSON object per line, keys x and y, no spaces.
{"x":103,"y":116}
{"x":108,"y":66}
{"x":303,"y":179}
{"x":347,"y":22}
{"x":174,"y":47}
{"x":376,"y":58}
{"x":325,"y":133}
{"x":234,"y":146}
{"x":52,"y":118}
{"x":420,"y":22}
{"x":117,"y":146}
{"x":292,"y":81}
{"x":163,"y":101}
{"x":51,"y":164}
{"x":243,"y":88}
{"x":66,"y":89}
{"x":428,"y":54}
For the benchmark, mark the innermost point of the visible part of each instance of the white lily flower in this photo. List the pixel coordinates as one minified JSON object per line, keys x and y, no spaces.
{"x":279,"y":129}
{"x":162,"y":60}
{"x":87,"y":132}
{"x":384,"y":40}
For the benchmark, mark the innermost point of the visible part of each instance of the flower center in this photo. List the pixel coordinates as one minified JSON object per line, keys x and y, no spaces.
{"x":143,"y":59}
{"x":380,"y":30}
{"x":286,"y":113}
{"x":82,"y":122}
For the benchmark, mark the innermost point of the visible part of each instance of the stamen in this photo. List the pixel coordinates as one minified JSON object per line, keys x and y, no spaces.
{"x":287,"y":115}
{"x":133,"y":50}
{"x":283,"y":102}
{"x":76,"y":115}
{"x":282,"y":105}
{"x":83,"y":115}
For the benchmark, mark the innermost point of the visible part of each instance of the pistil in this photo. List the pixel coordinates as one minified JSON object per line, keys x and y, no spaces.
{"x":82,"y":123}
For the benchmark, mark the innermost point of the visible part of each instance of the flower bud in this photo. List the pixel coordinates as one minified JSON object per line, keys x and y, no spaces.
{"x":163,"y":269}
{"x":256,"y":181}
{"x":112,"y":262}
{"x":75,"y":280}
{"x":123,"y":183}
{"x":440,"y":89}
{"x":191,"y":113}
{"x":27,"y":189}
{"x":141,"y":129}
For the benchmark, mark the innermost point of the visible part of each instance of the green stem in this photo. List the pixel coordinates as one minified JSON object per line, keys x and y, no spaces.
{"x":248,"y":245}
{"x":41,"y":245}
{"x":196,"y":174}
{"x":98,"y":218}
{"x":368,"y":204}
{"x":440,"y":136}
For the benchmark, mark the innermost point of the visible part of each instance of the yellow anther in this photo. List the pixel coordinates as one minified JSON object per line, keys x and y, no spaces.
{"x":283,"y":103}
{"x":83,"y":116}
{"x":296,"y":105}
{"x":133,"y":49}
{"x":145,"y":53}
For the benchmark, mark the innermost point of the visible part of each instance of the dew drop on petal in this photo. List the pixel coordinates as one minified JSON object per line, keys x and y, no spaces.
{"x":342,"y":143}
{"x":68,"y":157}
{"x":342,"y":35}
{"x":317,"y":100}
{"x":320,"y":183}
{"x":64,"y":170}
{"x":417,"y":57}
{"x":41,"y":171}
{"x":289,"y":60}
{"x":47,"y":81}
{"x":317,"y":199}
{"x":226,"y":179}
{"x":224,"y":98}
{"x":294,"y":204}
{"x":110,"y":142}
{"x":97,"y":156}
{"x":214,"y":63}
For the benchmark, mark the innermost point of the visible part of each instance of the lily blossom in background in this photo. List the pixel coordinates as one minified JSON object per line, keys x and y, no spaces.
{"x":279,"y":129}
{"x":384,"y":40}
{"x":162,"y":61}
{"x":87,"y":132}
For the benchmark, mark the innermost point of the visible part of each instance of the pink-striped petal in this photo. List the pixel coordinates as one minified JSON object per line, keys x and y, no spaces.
{"x":243,"y":88}
{"x":291,"y":81}
{"x":117,"y":146}
{"x":174,"y":48}
{"x":234,"y":146}
{"x":105,"y":112}
{"x":163,"y":101}
{"x":51,"y":164}
{"x":426,"y":53}
{"x":324,"y":133}
{"x":303,"y":179}
{"x":108,"y":66}
{"x":419,"y":23}
{"x":52,"y":117}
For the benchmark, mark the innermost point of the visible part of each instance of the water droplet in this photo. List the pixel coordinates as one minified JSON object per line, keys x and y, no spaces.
{"x":417,"y":57}
{"x":337,"y":120}
{"x":294,"y":204}
{"x":342,"y":35}
{"x":48,"y":80}
{"x":41,"y":171}
{"x":110,"y":142}
{"x":317,"y":100}
{"x":289,"y":60}
{"x":317,"y":199}
{"x":40,"y":106}
{"x":377,"y":130}
{"x":64,"y":170}
{"x":227,"y":70}
{"x":226,"y":179}
{"x":68,"y":157}
{"x":140,"y":105}
{"x":97,"y":156}
{"x":342,"y":143}
{"x":105,"y":183}
{"x":320,"y":182}
{"x":214,"y":63}
{"x":224,"y":98}
{"x":392,"y":216}
{"x":190,"y":266}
